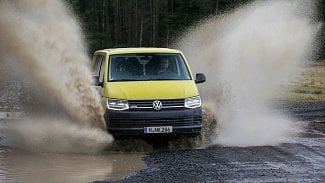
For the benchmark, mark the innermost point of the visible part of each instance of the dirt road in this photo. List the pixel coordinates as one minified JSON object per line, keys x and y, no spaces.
{"x":302,"y":159}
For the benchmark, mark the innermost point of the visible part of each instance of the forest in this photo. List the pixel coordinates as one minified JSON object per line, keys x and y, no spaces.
{"x":154,"y":23}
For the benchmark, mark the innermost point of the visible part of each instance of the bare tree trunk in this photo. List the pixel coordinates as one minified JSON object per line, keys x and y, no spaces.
{"x":103,"y":23}
{"x":141,"y":30}
{"x":103,"y":15}
{"x":172,"y":7}
{"x":217,"y":7}
{"x":167,"y":40}
{"x":116,"y":22}
{"x":136,"y":32}
{"x":130,"y":24}
{"x":154,"y":21}
{"x":107,"y":28}
{"x":124,"y":25}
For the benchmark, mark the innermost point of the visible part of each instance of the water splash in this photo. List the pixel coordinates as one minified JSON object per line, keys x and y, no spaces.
{"x":54,"y":135}
{"x":247,"y":56}
{"x":42,"y":41}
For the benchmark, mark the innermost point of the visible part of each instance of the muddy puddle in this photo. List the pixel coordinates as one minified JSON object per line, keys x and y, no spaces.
{"x":124,"y":158}
{"x":21,"y":166}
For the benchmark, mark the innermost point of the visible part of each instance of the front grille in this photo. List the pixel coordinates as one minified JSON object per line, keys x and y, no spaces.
{"x":147,"y":104}
{"x":140,"y":123}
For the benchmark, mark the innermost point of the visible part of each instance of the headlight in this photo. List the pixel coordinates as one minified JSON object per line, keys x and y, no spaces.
{"x":117,"y":104}
{"x":193,"y":102}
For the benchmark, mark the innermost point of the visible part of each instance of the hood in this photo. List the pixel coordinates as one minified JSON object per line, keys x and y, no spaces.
{"x":147,"y":90}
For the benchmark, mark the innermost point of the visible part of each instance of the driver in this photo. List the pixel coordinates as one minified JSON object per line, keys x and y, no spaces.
{"x":163,"y":65}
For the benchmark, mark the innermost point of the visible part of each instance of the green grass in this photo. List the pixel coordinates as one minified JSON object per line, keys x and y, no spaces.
{"x":308,"y":85}
{"x":308,"y":89}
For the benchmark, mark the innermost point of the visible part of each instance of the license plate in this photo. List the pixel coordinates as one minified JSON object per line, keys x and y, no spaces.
{"x":158,"y":129}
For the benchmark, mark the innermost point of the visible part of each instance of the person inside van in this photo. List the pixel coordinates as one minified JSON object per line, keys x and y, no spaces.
{"x":163,"y":65}
{"x":135,"y":66}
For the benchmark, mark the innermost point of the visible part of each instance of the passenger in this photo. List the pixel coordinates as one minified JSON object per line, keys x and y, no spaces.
{"x":120,"y":64}
{"x":136,"y":67}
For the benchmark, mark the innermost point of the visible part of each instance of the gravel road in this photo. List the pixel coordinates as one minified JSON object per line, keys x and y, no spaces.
{"x":300,"y":160}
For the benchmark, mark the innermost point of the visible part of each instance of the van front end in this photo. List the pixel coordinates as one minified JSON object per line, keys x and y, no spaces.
{"x":143,"y":117}
{"x":148,"y":91}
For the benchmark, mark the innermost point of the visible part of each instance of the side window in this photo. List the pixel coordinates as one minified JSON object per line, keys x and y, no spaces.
{"x":102,"y":69}
{"x":97,"y":65}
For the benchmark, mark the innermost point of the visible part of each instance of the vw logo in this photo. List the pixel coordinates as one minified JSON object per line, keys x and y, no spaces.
{"x":157,"y":105}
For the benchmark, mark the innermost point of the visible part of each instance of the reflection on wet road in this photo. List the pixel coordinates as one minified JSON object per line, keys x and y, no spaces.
{"x":19,"y":166}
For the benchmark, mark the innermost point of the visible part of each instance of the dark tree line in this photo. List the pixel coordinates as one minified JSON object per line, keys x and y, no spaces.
{"x":135,"y":23}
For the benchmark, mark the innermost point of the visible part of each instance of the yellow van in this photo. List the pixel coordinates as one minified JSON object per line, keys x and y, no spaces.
{"x":148,"y":91}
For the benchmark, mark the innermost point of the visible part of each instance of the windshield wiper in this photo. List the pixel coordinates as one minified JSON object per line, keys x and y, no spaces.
{"x":167,"y":79}
{"x":126,"y":80}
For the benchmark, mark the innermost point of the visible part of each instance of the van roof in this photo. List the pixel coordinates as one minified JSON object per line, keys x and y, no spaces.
{"x":139,"y":50}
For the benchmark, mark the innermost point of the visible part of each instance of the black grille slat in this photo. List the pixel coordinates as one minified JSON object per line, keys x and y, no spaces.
{"x":154,"y":122}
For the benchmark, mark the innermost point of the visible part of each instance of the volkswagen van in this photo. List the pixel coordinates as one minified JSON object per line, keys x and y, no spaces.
{"x":148,"y":91}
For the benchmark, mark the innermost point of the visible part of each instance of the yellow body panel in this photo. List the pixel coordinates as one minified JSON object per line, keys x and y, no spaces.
{"x":140,"y":50}
{"x":146,"y":90}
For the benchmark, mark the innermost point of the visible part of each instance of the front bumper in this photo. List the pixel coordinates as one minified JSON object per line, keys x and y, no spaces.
{"x":128,"y":122}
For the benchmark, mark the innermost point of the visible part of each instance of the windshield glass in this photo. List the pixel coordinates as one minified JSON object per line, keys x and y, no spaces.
{"x":147,"y":66}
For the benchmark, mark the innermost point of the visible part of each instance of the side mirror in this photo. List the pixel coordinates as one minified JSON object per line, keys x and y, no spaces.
{"x":199,"y":78}
{"x":96,"y":81}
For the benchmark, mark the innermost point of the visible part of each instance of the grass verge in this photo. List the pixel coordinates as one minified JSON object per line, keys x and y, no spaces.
{"x":309,"y":85}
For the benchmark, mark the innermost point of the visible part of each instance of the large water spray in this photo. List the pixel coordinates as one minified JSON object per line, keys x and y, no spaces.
{"x":42,"y":41}
{"x":248,"y":55}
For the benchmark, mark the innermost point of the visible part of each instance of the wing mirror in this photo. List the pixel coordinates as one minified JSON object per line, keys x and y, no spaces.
{"x":96,"y":81}
{"x":199,"y":78}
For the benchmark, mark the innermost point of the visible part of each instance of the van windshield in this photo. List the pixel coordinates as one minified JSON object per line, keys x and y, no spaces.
{"x":147,"y":66}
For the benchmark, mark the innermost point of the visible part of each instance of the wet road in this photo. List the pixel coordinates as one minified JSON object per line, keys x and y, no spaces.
{"x":292,"y":162}
{"x":301,"y":159}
